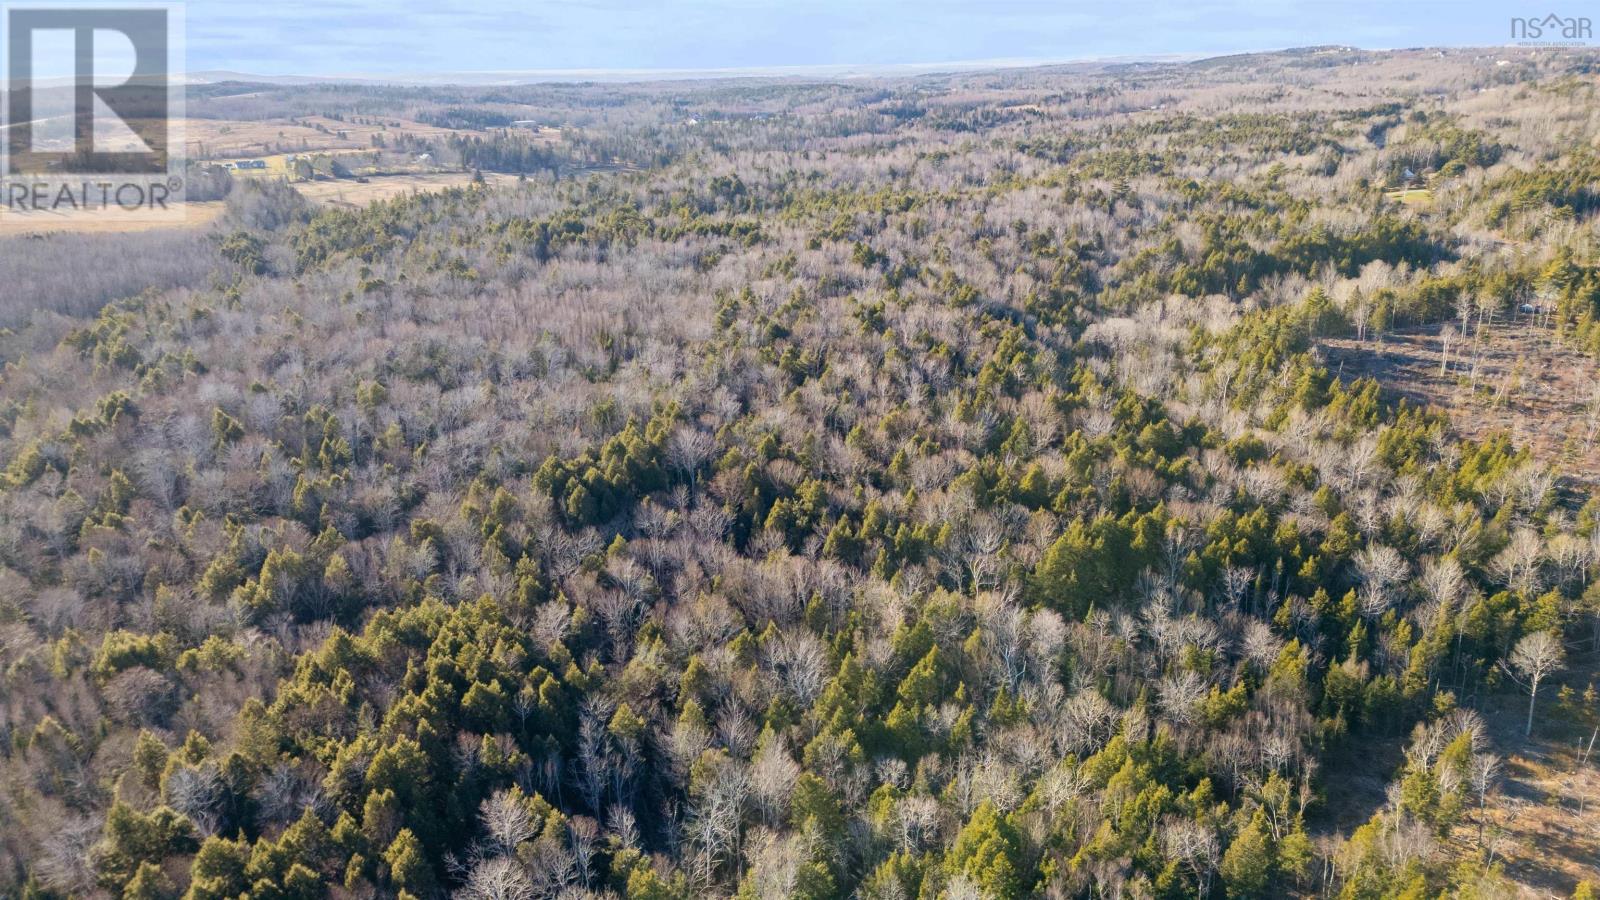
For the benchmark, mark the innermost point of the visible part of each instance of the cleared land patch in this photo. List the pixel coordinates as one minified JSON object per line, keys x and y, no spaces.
{"x":1515,"y":377}
{"x":194,"y":215}
{"x":1412,"y":196}
{"x":235,"y":139}
{"x":1544,"y":820}
{"x":351,"y":193}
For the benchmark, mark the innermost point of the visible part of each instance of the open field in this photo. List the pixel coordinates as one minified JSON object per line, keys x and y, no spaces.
{"x":1421,"y":197}
{"x":355,"y":163}
{"x":190,"y":215}
{"x":222,"y":139}
{"x":351,"y":193}
{"x":1539,"y":821}
{"x":232,"y":139}
{"x":342,"y":192}
{"x":365,"y":148}
{"x":1513,"y":377}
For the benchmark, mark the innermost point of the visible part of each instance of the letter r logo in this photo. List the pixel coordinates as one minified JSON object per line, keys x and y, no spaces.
{"x":87,"y":90}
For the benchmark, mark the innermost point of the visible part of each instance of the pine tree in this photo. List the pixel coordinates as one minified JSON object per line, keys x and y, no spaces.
{"x":1247,"y":864}
{"x":987,"y":852}
{"x":408,"y":866}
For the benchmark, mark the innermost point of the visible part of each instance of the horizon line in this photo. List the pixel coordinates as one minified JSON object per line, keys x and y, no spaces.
{"x":491,"y":77}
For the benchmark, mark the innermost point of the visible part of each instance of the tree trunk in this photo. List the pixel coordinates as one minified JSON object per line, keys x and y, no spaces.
{"x":1533,"y":695}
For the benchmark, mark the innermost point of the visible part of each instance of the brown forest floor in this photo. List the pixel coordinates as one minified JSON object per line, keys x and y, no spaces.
{"x":1527,"y":384}
{"x":1545,"y":821}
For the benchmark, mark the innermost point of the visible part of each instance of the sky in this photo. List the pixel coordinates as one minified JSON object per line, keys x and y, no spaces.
{"x":401,"y":37}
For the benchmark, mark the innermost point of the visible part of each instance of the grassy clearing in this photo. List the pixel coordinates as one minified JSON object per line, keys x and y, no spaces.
{"x":234,"y":139}
{"x":1419,"y":197}
{"x":350,"y":193}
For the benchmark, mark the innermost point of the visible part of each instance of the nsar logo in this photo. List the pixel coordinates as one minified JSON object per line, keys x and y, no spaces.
{"x":1574,"y":30}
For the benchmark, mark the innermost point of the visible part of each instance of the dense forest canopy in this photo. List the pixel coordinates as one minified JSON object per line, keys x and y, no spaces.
{"x":908,"y":488}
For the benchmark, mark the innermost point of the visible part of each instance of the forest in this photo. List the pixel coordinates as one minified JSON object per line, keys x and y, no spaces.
{"x":884,"y":488}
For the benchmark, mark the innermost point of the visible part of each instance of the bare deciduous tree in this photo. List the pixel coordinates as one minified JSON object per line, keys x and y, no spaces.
{"x":1482,"y":775}
{"x":507,"y":821}
{"x":1381,"y":569}
{"x":1536,"y":657}
{"x":1194,"y":846}
{"x":498,"y":878}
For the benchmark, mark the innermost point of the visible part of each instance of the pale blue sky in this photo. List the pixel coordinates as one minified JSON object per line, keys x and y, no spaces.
{"x":409,"y":36}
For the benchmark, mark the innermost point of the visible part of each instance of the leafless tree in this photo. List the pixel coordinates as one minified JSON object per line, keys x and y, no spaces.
{"x":799,"y":660}
{"x":621,"y":824}
{"x":582,"y":832}
{"x":714,"y":823}
{"x":1443,"y":580}
{"x":1192,"y":845}
{"x":498,"y":878}
{"x":507,"y":821}
{"x":687,"y":450}
{"x":594,"y":751}
{"x":550,"y":868}
{"x":1236,"y":582}
{"x":66,"y":861}
{"x":1483,"y":772}
{"x":197,"y":792}
{"x":1536,"y":657}
{"x":1180,"y":697}
{"x":1517,"y":566}
{"x":1570,"y":556}
{"x":1381,"y":569}
{"x":917,"y":818}
{"x":772,"y":778}
{"x":1086,"y":722}
{"x":285,"y":792}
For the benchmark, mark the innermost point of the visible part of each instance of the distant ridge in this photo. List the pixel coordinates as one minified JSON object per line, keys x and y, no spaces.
{"x":575,"y":76}
{"x":826,"y":72}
